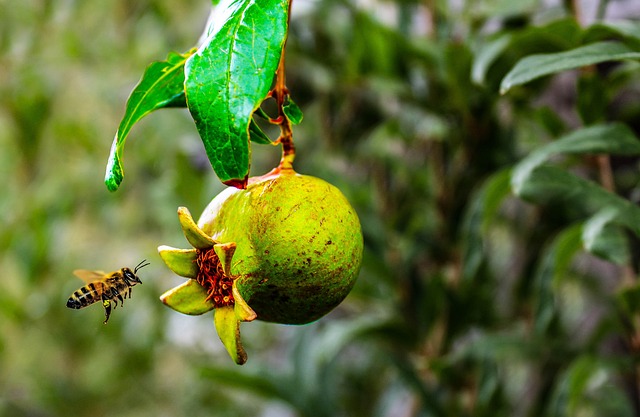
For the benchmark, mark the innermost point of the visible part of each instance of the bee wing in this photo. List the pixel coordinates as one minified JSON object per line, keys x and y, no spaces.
{"x":89,"y":276}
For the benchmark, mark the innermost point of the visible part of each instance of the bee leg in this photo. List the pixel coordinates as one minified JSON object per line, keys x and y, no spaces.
{"x":121,"y":299}
{"x":129,"y":292}
{"x":107,"y":310}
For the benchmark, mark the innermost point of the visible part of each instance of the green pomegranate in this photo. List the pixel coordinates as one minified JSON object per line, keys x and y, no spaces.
{"x":286,"y":249}
{"x":298,"y":244}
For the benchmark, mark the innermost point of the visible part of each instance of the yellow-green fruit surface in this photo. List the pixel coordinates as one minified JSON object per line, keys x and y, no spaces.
{"x":298,"y":244}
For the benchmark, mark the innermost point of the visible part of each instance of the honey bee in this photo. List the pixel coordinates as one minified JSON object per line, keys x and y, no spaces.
{"x":108,"y":288}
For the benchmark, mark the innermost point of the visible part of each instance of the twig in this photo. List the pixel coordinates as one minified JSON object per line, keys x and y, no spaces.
{"x":280,"y":93}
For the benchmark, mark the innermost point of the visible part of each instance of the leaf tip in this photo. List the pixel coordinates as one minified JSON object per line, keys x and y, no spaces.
{"x":114,"y":173}
{"x":112,"y":182}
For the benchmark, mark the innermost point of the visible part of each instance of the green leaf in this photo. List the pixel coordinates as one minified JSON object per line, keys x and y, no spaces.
{"x":292,"y":111}
{"x":579,"y":374}
{"x":614,"y":138}
{"x":600,"y":236}
{"x":492,"y":57}
{"x":268,"y":384}
{"x":604,"y":239}
{"x":493,"y":9}
{"x":547,"y":183}
{"x":482,"y":211}
{"x":592,"y":99}
{"x":627,"y":29}
{"x":487,"y":56}
{"x":161,"y":85}
{"x":536,"y":66}
{"x":629,"y":299}
{"x":553,"y":267}
{"x":588,"y":387}
{"x":509,"y":343}
{"x":229,"y":77}
{"x":539,"y":183}
{"x":257,"y":135}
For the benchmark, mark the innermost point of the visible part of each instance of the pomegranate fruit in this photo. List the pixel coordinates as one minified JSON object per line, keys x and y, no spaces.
{"x":286,"y":249}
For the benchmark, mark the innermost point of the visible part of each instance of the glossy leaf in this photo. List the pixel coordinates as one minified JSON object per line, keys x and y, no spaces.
{"x":539,"y":65}
{"x":257,"y":135}
{"x":162,"y":85}
{"x":292,"y":112}
{"x":229,"y":77}
{"x":557,"y":35}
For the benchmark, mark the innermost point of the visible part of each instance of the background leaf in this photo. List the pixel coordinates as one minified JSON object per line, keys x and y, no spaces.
{"x":547,"y":183}
{"x":603,"y":238}
{"x":552,"y":269}
{"x":627,"y":29}
{"x":536,"y":66}
{"x":230,"y":75}
{"x":162,"y":85}
{"x":486,"y":55}
{"x":482,"y":211}
{"x":612,"y":138}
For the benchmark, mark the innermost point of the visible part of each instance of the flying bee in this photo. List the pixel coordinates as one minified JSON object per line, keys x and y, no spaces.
{"x":108,"y":288}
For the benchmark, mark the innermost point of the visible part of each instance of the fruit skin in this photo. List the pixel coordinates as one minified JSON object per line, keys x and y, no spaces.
{"x":298,"y":244}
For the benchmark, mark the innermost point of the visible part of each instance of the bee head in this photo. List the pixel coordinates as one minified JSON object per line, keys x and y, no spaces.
{"x":130,"y":276}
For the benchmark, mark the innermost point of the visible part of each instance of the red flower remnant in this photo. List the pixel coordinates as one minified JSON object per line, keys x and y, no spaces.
{"x":212,"y":277}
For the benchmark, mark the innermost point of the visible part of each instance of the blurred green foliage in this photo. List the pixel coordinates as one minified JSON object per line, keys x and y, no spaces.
{"x":500,"y":270}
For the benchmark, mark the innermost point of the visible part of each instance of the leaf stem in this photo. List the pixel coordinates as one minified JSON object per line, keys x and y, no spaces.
{"x":280,"y":93}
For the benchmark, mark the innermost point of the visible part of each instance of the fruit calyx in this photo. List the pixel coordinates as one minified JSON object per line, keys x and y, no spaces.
{"x":212,"y":278}
{"x":211,"y":286}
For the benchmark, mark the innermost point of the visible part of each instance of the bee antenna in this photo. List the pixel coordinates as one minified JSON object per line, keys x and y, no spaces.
{"x":141,"y":265}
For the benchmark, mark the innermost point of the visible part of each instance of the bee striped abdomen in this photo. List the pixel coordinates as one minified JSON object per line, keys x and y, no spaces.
{"x":86,"y":295}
